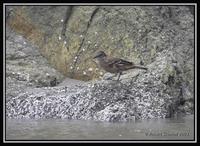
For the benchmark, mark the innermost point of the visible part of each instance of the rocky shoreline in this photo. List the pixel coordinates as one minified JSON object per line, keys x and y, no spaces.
{"x":35,"y":89}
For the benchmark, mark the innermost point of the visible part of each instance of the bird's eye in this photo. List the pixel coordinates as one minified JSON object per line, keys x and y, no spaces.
{"x":99,"y":55}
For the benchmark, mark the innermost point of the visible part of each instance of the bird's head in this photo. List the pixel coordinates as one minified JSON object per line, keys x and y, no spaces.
{"x":99,"y":55}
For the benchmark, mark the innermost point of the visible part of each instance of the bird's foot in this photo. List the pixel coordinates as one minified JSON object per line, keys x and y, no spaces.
{"x":114,"y":80}
{"x":108,"y":78}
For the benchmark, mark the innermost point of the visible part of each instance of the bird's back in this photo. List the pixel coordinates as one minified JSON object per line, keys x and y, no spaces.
{"x":116,"y":65}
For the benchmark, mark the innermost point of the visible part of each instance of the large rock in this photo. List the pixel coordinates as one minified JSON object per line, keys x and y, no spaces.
{"x":140,"y":95}
{"x":68,"y":36}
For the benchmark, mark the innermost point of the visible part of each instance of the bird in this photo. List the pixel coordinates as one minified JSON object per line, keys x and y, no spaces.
{"x":114,"y":65}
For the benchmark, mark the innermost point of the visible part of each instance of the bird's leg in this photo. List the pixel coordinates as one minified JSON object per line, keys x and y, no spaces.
{"x":119,"y":76}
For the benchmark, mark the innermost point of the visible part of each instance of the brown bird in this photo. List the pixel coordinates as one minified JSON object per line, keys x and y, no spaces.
{"x":114,"y":65}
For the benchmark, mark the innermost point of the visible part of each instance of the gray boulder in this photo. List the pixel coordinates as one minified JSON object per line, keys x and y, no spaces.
{"x":69,"y":35}
{"x":139,"y":95}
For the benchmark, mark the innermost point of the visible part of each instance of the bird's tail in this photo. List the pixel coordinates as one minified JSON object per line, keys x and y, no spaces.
{"x":140,"y":67}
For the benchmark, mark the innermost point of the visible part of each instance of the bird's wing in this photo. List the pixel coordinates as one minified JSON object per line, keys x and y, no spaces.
{"x":118,"y":62}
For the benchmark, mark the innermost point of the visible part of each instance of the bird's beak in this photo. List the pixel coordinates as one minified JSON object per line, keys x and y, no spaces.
{"x":94,"y":57}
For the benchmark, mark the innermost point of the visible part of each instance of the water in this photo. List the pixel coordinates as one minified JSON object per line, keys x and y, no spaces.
{"x":59,"y":129}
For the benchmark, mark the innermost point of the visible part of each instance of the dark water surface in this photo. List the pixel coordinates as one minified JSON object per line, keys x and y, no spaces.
{"x":59,"y":129}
